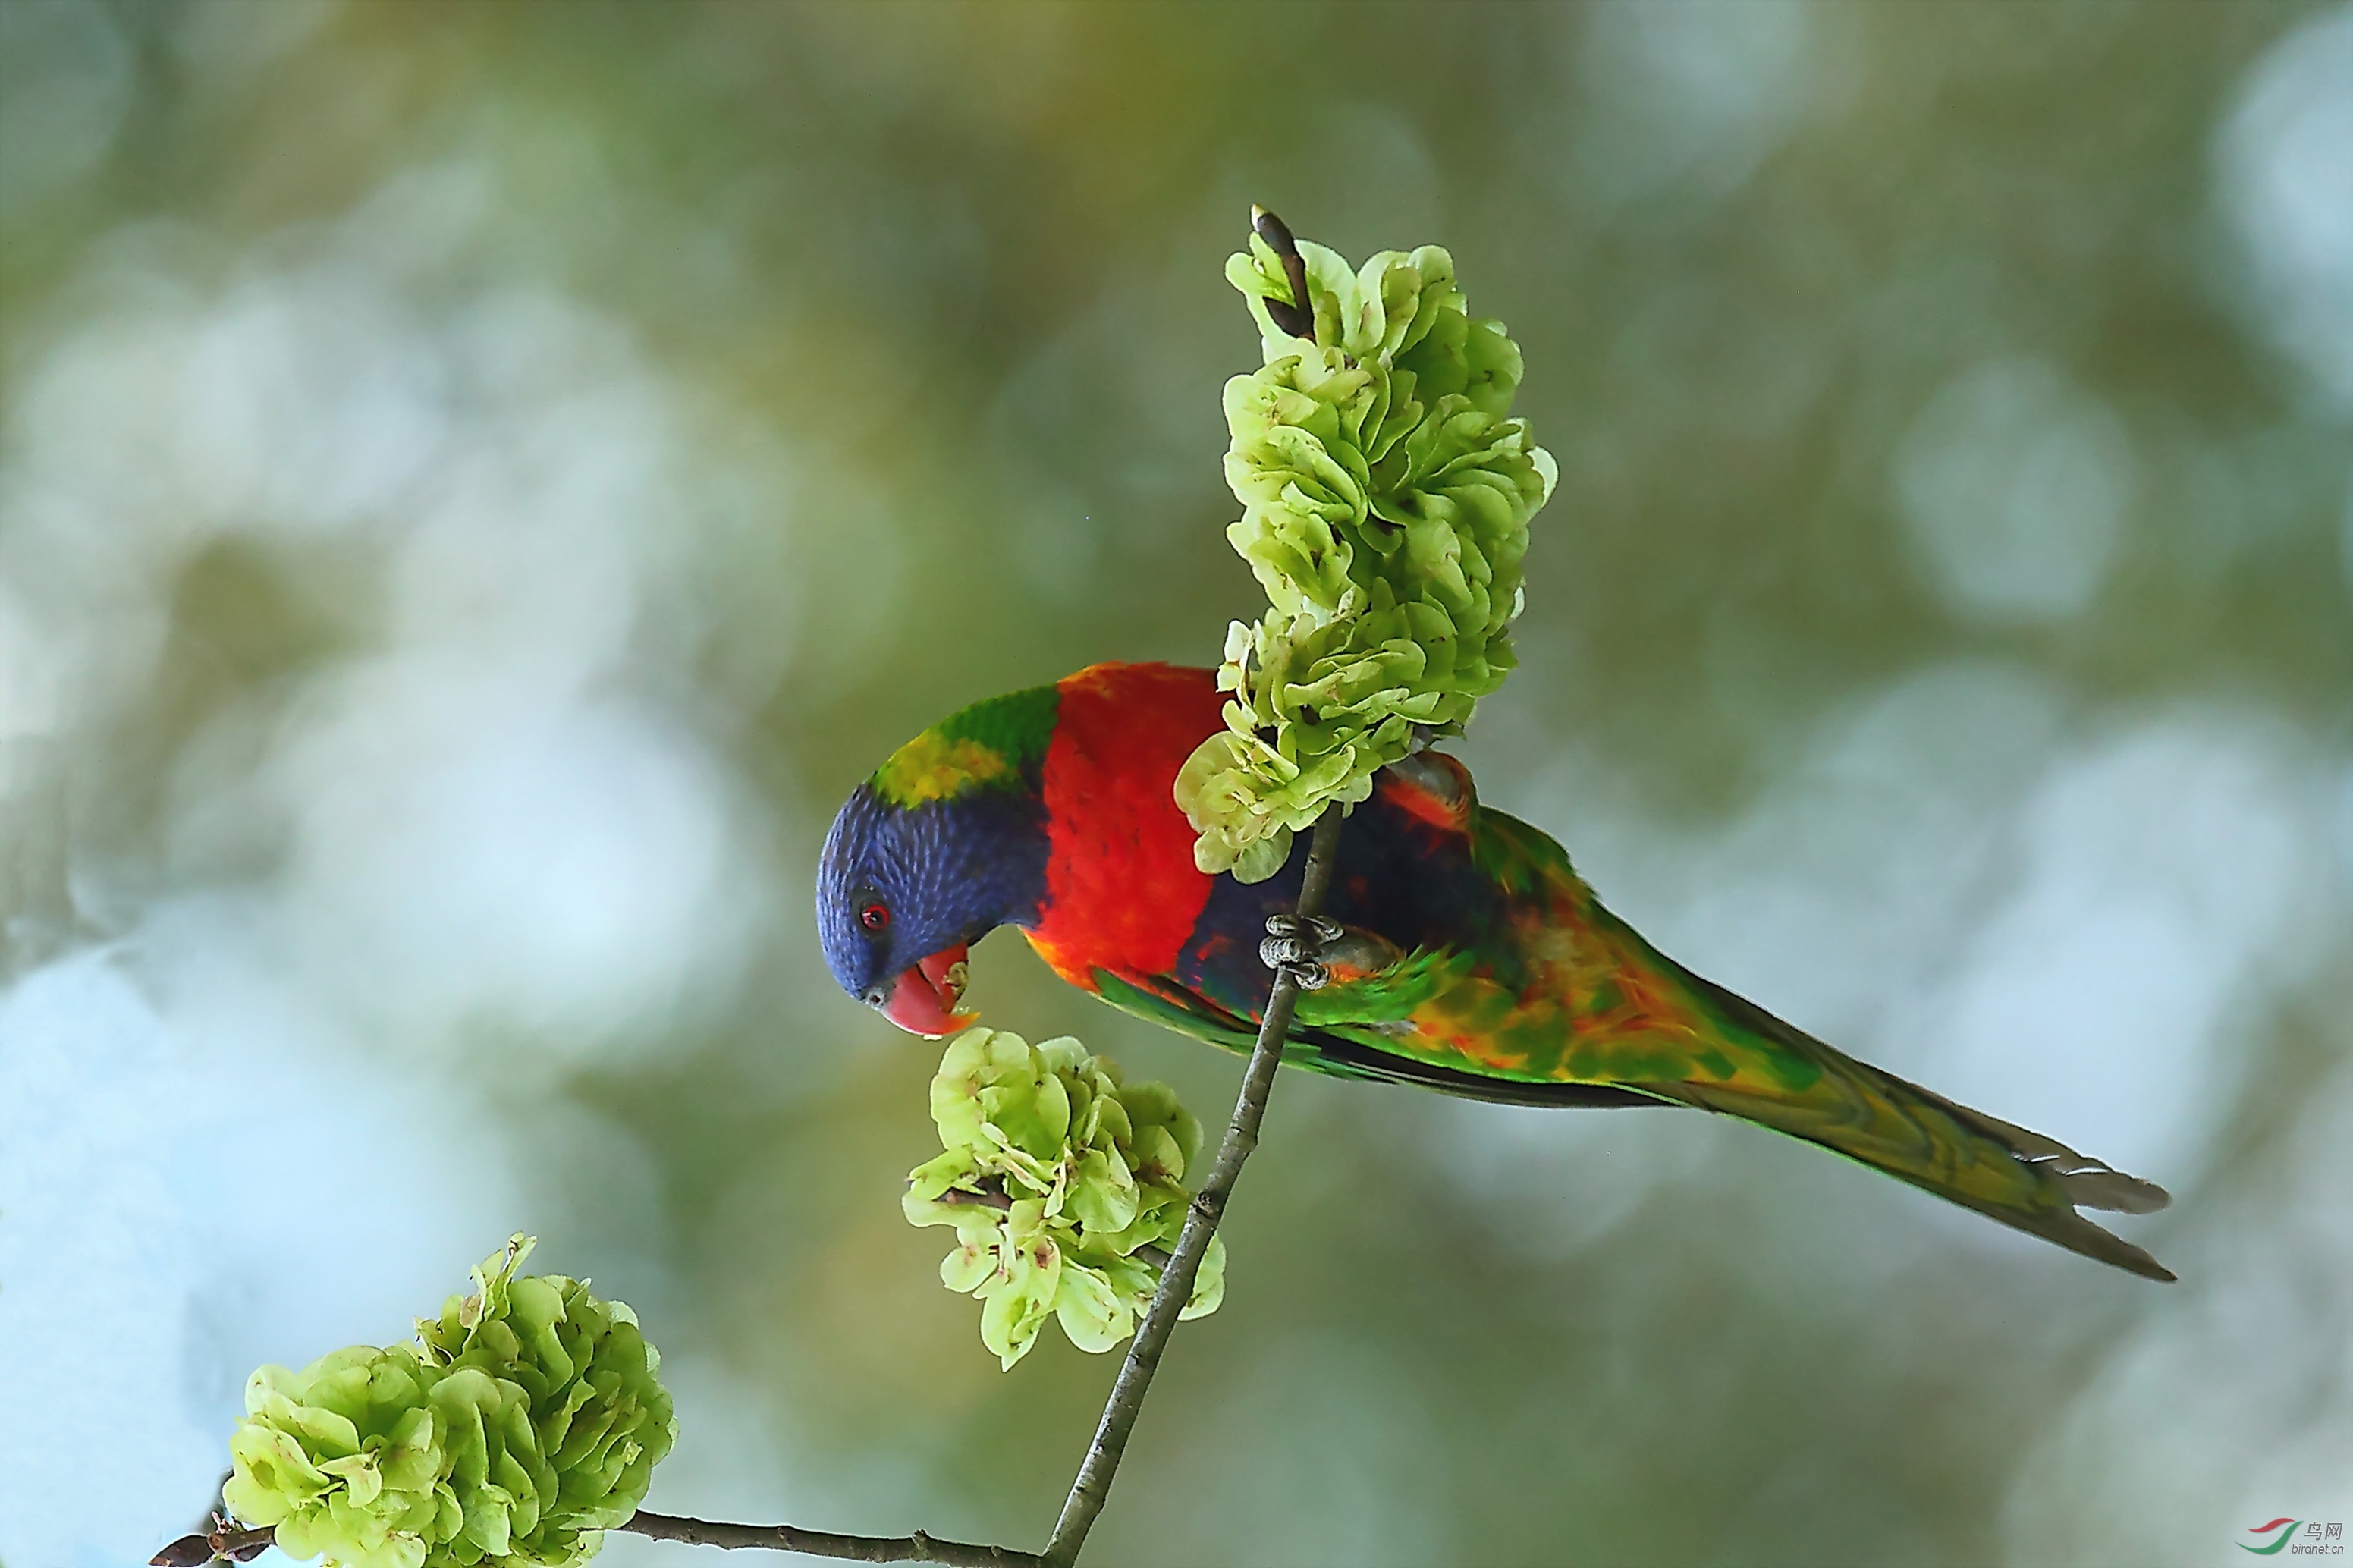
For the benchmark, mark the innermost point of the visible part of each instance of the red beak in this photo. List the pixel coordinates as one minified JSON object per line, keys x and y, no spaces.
{"x":923,"y":1000}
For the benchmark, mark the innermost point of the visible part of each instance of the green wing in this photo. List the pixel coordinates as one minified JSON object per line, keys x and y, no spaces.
{"x":1347,"y":1050}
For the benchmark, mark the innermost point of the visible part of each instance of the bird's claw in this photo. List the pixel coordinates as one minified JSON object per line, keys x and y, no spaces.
{"x":1295,"y":944}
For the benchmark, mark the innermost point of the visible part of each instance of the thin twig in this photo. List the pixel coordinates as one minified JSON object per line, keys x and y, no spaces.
{"x":1092,"y":1489}
{"x":915,"y":1548}
{"x":220,"y":1538}
{"x":225,"y":1540}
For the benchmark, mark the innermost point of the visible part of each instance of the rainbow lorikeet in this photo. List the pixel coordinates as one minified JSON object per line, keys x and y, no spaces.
{"x":1471,"y":959}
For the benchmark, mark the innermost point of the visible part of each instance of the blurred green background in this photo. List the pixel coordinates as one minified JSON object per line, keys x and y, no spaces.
{"x":479,"y":483}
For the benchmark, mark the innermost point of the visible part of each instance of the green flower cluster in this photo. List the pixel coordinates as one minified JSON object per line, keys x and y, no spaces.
{"x":1386,"y":493}
{"x":512,"y":1430}
{"x":1063,"y":1186}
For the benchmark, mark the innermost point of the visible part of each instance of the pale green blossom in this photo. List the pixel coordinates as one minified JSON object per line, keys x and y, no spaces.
{"x":1385,"y":495}
{"x":512,"y":1430}
{"x":1064,"y":1186}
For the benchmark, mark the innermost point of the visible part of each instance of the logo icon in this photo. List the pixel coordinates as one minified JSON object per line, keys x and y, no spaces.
{"x":2285,"y":1526}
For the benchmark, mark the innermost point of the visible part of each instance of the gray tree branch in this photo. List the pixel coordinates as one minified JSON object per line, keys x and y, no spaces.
{"x":915,"y":1548}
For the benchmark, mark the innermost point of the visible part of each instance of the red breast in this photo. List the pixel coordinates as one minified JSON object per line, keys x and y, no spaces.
{"x":1122,"y":892}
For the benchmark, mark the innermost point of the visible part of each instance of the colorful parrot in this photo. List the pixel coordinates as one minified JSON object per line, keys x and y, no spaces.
{"x":1470,"y":957}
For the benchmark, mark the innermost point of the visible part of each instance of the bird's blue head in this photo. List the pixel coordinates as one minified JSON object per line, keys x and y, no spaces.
{"x":946,"y":842}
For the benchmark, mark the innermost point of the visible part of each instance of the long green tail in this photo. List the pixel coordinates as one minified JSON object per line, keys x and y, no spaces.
{"x":2021,"y":1178}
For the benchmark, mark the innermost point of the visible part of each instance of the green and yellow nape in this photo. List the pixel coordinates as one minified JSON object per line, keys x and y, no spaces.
{"x":995,"y":743}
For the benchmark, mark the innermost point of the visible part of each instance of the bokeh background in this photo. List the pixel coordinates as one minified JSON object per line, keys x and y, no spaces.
{"x":479,"y":483}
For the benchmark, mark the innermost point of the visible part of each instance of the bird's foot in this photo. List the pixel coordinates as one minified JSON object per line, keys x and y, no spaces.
{"x":1296,"y":943}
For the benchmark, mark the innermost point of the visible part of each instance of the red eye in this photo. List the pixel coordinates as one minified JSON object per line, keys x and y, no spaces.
{"x":874,"y":917}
